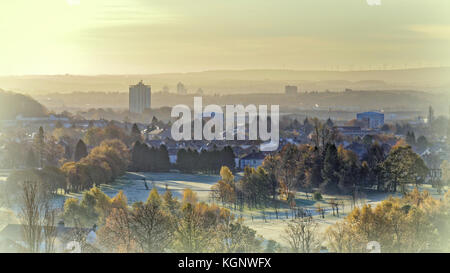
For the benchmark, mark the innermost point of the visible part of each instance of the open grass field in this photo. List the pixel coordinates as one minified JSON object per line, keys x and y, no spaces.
{"x":133,"y":185}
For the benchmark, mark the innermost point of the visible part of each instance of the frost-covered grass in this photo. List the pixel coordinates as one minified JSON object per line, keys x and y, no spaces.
{"x":132,"y":184}
{"x":7,"y":216}
{"x":4,"y":175}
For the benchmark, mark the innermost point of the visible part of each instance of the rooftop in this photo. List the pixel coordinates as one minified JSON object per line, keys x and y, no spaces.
{"x":254,"y":156}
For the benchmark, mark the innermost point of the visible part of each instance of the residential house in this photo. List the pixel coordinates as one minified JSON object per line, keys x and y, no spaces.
{"x":253,"y":160}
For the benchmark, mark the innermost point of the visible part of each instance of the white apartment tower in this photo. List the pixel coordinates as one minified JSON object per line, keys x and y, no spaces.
{"x":140,"y":97}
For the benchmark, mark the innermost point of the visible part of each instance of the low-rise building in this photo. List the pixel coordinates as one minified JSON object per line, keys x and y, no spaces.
{"x":291,"y":90}
{"x":372,"y":119}
{"x":253,"y":160}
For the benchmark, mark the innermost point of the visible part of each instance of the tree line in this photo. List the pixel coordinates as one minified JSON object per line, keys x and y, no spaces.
{"x":337,"y":170}
{"x":253,"y":189}
{"x":149,"y":159}
{"x":328,"y":169}
{"x":414,"y":223}
{"x":161,"y":224}
{"x":191,"y":161}
{"x":102,"y":165}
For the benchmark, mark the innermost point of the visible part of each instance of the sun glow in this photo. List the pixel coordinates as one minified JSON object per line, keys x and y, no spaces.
{"x":73,"y":2}
{"x":135,"y":36}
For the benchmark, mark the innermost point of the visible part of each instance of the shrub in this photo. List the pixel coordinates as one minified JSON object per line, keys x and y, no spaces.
{"x":317,"y":196}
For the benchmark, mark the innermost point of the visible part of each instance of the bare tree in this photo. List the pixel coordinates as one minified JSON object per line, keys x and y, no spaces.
{"x":320,"y":210}
{"x":334,"y":203}
{"x":78,"y":235}
{"x":37,"y":217}
{"x":117,"y":234}
{"x":301,"y":234}
{"x":152,"y":228}
{"x":49,"y":229}
{"x":31,"y":207}
{"x":338,"y":238}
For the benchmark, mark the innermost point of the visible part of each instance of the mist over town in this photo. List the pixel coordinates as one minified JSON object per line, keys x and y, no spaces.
{"x":89,"y":161}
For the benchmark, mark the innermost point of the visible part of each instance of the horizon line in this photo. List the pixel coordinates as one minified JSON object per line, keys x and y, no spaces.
{"x":231,"y":70}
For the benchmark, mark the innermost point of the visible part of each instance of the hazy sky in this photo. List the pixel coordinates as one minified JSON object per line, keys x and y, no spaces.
{"x":156,"y":36}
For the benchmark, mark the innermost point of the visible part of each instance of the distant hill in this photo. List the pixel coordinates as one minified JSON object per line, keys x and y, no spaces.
{"x":389,"y":100}
{"x":13,"y":104}
{"x":240,"y":81}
